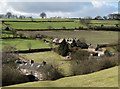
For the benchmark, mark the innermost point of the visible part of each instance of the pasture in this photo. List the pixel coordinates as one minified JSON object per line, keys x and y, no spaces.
{"x":57,"y":25}
{"x":24,"y":44}
{"x":42,"y":25}
{"x":104,"y":78}
{"x":93,"y":37}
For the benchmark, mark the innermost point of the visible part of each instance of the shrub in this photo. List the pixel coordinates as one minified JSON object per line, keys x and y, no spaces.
{"x":8,"y":54}
{"x":93,"y":65}
{"x":63,"y":27}
{"x":102,"y":25}
{"x":84,"y":67}
{"x":117,"y":25}
{"x":108,"y":62}
{"x":80,"y":55}
{"x":50,"y":27}
{"x":7,"y":29}
{"x":108,"y":53}
{"x":21,"y":35}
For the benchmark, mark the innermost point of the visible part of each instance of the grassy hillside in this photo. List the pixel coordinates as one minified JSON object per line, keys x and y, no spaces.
{"x":104,"y":78}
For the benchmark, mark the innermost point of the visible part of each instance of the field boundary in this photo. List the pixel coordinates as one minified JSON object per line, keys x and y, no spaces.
{"x":33,"y":21}
{"x":33,"y":50}
{"x":95,"y":29}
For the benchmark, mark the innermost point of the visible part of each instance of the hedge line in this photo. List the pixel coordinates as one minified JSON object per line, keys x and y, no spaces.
{"x":34,"y":21}
{"x":33,"y":50}
{"x":96,"y":28}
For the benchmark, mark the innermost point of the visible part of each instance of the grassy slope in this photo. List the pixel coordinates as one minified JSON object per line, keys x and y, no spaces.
{"x":22,"y":44}
{"x":104,"y":78}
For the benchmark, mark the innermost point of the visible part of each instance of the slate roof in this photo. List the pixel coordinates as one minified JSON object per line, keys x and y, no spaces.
{"x":36,"y":67}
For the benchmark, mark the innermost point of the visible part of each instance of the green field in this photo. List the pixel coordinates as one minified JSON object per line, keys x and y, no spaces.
{"x":93,"y":37}
{"x":42,"y":25}
{"x":56,"y":25}
{"x":22,"y":44}
{"x":38,"y":19}
{"x":104,"y":78}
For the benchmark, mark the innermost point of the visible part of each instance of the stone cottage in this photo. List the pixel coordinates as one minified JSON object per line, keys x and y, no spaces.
{"x":40,"y":71}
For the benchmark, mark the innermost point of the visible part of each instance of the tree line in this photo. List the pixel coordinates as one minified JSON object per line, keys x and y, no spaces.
{"x":10,"y":15}
{"x":44,"y":15}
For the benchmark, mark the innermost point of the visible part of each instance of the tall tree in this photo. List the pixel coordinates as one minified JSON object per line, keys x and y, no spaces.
{"x":98,"y":18}
{"x":63,"y":48}
{"x":105,"y":17}
{"x":43,"y":15}
{"x":8,"y":14}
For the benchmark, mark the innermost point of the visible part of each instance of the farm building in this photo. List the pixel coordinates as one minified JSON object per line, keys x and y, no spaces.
{"x":56,"y":41}
{"x":94,"y":52}
{"x":40,"y":71}
{"x":59,"y":40}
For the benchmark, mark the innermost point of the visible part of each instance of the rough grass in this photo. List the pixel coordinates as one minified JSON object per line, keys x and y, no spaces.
{"x":22,"y":44}
{"x":93,"y":37}
{"x":104,"y":78}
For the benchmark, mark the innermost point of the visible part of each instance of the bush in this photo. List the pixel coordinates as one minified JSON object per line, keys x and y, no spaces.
{"x":108,"y":53}
{"x":93,"y":65}
{"x":84,"y":67}
{"x":108,"y":62}
{"x":8,"y":54}
{"x":7,"y":29}
{"x":63,"y":27}
{"x":102,"y":25}
{"x":80,"y":55}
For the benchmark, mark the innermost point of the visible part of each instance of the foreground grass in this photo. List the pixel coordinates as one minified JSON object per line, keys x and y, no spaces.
{"x":24,"y":44}
{"x":104,"y":78}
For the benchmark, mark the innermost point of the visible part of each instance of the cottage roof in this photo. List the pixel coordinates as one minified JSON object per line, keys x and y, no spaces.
{"x":36,"y":66}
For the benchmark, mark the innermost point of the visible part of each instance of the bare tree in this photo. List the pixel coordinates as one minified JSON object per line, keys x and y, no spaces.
{"x":86,"y":21}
